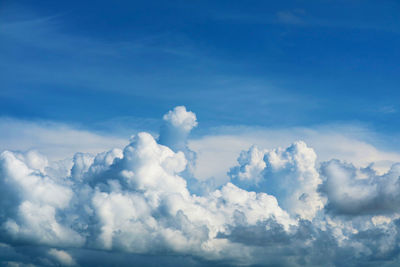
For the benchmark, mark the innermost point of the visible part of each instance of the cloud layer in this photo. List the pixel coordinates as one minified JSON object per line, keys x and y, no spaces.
{"x":280,"y":207}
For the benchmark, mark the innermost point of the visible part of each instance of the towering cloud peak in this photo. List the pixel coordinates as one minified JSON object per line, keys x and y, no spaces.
{"x":180,"y":118}
{"x":177,"y":125}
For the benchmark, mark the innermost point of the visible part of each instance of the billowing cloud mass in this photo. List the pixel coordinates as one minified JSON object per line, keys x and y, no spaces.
{"x":280,"y":207}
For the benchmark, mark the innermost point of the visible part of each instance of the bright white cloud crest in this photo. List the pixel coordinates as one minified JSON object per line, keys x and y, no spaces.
{"x":181,"y":118}
{"x":278,"y":208}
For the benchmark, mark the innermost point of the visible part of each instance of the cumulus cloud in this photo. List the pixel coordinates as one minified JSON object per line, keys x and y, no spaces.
{"x":368,"y":192}
{"x":289,"y":174}
{"x":217,"y":151}
{"x":62,"y":257}
{"x":177,"y":125}
{"x":281,"y":206}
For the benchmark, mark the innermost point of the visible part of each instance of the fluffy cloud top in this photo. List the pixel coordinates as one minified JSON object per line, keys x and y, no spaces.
{"x":289,"y":174}
{"x":177,"y":125}
{"x":280,"y":207}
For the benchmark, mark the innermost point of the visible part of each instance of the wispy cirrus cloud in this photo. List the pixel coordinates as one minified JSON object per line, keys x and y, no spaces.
{"x":291,"y":17}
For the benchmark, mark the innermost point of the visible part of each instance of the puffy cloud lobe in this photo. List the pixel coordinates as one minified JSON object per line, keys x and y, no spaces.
{"x":62,"y":257}
{"x":251,"y":166}
{"x":278,"y":209}
{"x":177,"y":125}
{"x":30,"y":200}
{"x":180,"y":118}
{"x":174,"y":133}
{"x":289,"y":174}
{"x":367,"y":192}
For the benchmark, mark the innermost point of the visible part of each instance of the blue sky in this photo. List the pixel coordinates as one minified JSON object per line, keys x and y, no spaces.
{"x":200,"y":133}
{"x":292,"y":63}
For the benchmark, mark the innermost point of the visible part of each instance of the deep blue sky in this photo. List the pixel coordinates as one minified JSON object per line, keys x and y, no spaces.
{"x":264,"y":63}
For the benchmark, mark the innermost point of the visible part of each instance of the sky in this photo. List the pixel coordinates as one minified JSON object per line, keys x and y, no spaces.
{"x":256,"y":63}
{"x":276,"y":123}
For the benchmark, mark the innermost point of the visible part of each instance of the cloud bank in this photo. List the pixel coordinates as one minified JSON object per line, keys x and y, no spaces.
{"x":280,"y":207}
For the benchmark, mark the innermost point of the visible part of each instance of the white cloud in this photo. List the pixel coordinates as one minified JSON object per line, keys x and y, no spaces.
{"x":289,"y":174}
{"x":180,"y":118}
{"x":367,"y":192}
{"x":62,"y":257}
{"x":177,"y":125}
{"x":216,"y":153}
{"x":282,"y":206}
